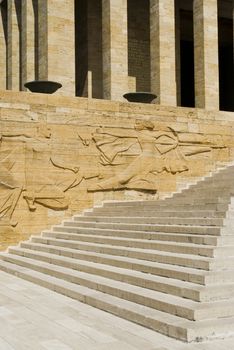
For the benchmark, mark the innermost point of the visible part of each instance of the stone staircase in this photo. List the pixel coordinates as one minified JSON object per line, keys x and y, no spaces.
{"x":166,"y":264}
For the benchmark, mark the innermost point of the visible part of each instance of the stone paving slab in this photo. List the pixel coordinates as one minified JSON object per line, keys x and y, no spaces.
{"x":35,"y":318}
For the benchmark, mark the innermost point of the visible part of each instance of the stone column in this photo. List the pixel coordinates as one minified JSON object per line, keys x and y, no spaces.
{"x":178,"y":60}
{"x":61,"y":44}
{"x":163,"y":60}
{"x":206,"y":54}
{"x":13,"y":42}
{"x":28,"y":42}
{"x":2,"y":47}
{"x":115,"y":48}
{"x":55,"y":55}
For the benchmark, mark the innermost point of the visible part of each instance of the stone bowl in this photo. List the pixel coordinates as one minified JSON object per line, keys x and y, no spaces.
{"x":43,"y":86}
{"x":140,"y":97}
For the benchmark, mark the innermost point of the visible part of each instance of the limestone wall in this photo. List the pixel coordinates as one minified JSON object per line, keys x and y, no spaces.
{"x":59,"y":155}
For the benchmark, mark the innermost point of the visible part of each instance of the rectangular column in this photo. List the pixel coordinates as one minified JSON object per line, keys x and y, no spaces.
{"x":55,"y":43}
{"x":206,"y":54}
{"x":27,"y":42}
{"x":178,"y":60}
{"x":162,"y":47}
{"x":13,"y":45}
{"x":115,"y":48}
{"x":3,"y":30}
{"x":61,"y":44}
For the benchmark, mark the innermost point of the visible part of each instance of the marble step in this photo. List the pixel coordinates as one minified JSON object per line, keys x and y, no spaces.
{"x":151,"y":220}
{"x":196,"y":229}
{"x":166,"y":206}
{"x":188,"y":309}
{"x":171,"y":201}
{"x":197,"y":276}
{"x":156,"y":300}
{"x":215,"y":182}
{"x":159,"y":321}
{"x":152,"y":267}
{"x":125,"y":274}
{"x":153,"y":213}
{"x":180,"y":248}
{"x":157,"y":261}
{"x":162,"y":284}
{"x":72,"y":227}
{"x":200,"y":199}
{"x":202,"y":190}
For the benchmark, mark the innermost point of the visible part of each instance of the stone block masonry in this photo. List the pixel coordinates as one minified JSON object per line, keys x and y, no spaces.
{"x":60,"y":155}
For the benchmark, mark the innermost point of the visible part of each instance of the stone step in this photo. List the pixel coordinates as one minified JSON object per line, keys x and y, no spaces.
{"x":204,"y":200}
{"x":201,"y":230}
{"x":164,"y":323}
{"x":72,"y":227}
{"x":161,"y":284}
{"x":127,"y":274}
{"x":216,"y":194}
{"x":215,"y":181}
{"x":153,"y":213}
{"x":156,"y":300}
{"x":180,"y":248}
{"x":171,"y":207}
{"x":151,"y":220}
{"x":186,"y":260}
{"x":157,"y":203}
{"x":174,"y":305}
{"x":150,"y":267}
{"x":202,"y":190}
{"x":145,"y":254}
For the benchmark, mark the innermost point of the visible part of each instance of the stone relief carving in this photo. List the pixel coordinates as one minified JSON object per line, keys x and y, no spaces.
{"x":135,"y":158}
{"x":46,"y":178}
{"x":159,"y":150}
{"x":10,"y":188}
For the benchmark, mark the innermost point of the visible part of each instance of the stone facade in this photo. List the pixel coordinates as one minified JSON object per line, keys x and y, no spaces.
{"x":61,"y":154}
{"x":103,"y":49}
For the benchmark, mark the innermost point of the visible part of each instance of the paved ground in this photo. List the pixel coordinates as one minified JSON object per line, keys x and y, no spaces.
{"x":35,"y":318}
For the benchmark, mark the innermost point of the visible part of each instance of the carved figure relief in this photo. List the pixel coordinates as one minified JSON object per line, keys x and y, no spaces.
{"x":134,"y":157}
{"x":11,"y":189}
{"x":159,"y":152}
{"x":40,"y":186}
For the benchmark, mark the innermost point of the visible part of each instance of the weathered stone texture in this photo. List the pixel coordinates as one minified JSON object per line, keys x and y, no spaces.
{"x":61,"y":50}
{"x":13,"y":51}
{"x":3,"y":48}
{"x":60,"y":155}
{"x":206,"y":54}
{"x":163,"y":71}
{"x":28,"y":34}
{"x":115,"y":45}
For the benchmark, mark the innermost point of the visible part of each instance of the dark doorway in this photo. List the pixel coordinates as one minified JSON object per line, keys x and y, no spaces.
{"x":226,"y":70}
{"x":88,"y":48}
{"x":139,"y":43}
{"x":81,"y":45}
{"x":187,"y":59}
{"x":187,"y":73}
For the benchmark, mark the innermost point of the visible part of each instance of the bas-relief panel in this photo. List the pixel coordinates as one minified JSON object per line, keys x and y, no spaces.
{"x":39,"y":169}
